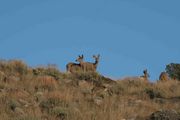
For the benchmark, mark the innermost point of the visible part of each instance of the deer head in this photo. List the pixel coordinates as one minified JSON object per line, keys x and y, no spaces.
{"x":80,"y":59}
{"x":145,"y":76}
{"x":96,"y":58}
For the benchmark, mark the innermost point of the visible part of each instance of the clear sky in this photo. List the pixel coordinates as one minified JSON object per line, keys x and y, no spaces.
{"x":130,"y":35}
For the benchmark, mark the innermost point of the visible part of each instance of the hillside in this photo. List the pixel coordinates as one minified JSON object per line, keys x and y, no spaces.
{"x":46,"y":93}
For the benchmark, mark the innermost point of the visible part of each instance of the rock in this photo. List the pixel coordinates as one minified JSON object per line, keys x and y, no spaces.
{"x":165,"y":115}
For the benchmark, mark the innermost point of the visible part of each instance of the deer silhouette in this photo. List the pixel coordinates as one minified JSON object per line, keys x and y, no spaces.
{"x":88,"y":66}
{"x":145,"y":76}
{"x":74,"y":67}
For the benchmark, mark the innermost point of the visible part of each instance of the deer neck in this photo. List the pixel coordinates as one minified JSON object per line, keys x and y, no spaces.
{"x":96,"y":63}
{"x":81,"y":62}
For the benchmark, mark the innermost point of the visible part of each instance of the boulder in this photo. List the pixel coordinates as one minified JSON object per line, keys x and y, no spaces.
{"x":165,"y":115}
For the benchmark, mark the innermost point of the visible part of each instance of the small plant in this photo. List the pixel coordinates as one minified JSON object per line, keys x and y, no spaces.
{"x":51,"y":102}
{"x":153,"y":93}
{"x":93,"y":77}
{"x":59,"y":112}
{"x":13,"y":104}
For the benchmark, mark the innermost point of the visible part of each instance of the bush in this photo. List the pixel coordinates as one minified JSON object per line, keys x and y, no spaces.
{"x":50,"y":70}
{"x":47,"y":105}
{"x":173,"y":70}
{"x":88,"y":76}
{"x":13,"y":67}
{"x":93,"y":77}
{"x":53,"y":100}
{"x":59,"y":112}
{"x":13,"y":104}
{"x":153,"y":93}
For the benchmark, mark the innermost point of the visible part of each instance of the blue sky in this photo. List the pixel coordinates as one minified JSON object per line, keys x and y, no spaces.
{"x":130,"y":35}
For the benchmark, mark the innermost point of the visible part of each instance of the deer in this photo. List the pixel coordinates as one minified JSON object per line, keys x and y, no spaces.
{"x":163,"y":76}
{"x":145,"y":76}
{"x":74,"y":67}
{"x":87,"y":66}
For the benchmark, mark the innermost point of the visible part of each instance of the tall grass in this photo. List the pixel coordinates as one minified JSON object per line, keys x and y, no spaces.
{"x":46,"y":93}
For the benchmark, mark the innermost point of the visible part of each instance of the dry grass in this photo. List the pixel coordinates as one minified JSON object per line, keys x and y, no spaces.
{"x":53,"y":95}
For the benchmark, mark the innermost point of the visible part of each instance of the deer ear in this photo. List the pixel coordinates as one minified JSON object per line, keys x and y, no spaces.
{"x":94,"y":56}
{"x":98,"y":55}
{"x":82,"y":56}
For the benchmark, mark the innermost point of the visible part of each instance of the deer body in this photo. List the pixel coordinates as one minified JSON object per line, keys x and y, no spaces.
{"x":73,"y":67}
{"x":82,"y":66}
{"x":145,"y":76}
{"x":87,"y":66}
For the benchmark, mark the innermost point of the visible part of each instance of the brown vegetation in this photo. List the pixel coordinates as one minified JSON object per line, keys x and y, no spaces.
{"x":45,"y":93}
{"x":163,"y":76}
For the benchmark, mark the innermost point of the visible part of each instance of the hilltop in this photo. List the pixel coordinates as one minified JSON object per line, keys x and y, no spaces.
{"x":46,"y":93}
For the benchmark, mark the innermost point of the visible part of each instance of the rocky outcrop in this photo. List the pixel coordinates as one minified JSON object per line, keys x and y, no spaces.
{"x":165,"y":115}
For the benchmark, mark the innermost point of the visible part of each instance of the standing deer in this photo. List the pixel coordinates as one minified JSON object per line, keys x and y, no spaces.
{"x":163,"y":76}
{"x":145,"y":76}
{"x":87,"y":66}
{"x":74,"y":67}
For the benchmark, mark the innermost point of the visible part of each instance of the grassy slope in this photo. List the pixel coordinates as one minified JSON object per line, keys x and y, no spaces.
{"x":46,"y":93}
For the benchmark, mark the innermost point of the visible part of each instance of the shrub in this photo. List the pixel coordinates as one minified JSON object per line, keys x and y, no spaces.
{"x":59,"y":112}
{"x":173,"y":70}
{"x":53,"y":99}
{"x":50,"y":70}
{"x":93,"y":77}
{"x":88,"y":76}
{"x":46,"y":82}
{"x":17,"y":67}
{"x":153,"y":93}
{"x":13,"y":104}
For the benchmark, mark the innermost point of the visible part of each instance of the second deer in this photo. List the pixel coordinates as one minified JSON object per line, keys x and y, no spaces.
{"x":88,"y":66}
